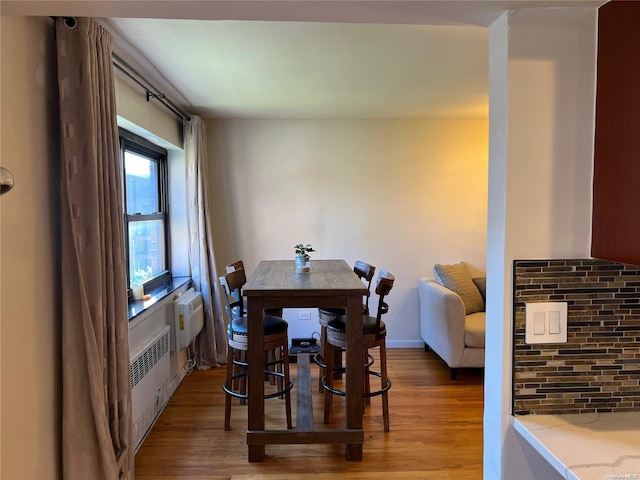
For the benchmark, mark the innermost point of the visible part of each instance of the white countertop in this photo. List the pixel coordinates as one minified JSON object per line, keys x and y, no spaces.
{"x":586,"y":446}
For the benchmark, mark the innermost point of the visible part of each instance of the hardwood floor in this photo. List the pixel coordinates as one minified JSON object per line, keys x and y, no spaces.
{"x":436,"y":430}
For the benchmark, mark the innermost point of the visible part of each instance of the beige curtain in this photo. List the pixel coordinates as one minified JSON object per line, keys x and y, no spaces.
{"x":211,"y":344}
{"x":96,"y":405}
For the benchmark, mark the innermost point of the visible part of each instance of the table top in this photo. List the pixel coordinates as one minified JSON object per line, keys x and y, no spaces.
{"x":327,"y":277}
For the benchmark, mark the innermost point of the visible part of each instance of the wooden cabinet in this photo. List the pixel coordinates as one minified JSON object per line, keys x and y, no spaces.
{"x":616,"y":186}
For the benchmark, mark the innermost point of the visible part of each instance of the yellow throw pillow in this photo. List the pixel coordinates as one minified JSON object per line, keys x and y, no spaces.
{"x":457,"y":278}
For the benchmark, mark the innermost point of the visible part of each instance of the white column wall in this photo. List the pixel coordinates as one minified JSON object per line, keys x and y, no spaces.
{"x":542,"y":92}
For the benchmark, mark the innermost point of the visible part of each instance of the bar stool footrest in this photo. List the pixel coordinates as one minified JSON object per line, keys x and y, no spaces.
{"x":342,"y":393}
{"x":244,"y":396}
{"x":318,"y":360}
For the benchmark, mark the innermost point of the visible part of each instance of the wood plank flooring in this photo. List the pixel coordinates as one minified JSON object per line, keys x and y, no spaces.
{"x":436,"y":430}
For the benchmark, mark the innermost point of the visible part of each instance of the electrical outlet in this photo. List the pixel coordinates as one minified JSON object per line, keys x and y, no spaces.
{"x":304,"y":315}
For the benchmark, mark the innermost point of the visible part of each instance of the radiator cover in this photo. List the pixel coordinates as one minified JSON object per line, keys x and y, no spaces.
{"x":149,"y":378}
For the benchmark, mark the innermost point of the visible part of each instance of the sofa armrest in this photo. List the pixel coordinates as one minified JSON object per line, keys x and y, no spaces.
{"x":442,"y":318}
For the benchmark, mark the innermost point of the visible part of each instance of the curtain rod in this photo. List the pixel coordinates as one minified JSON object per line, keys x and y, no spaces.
{"x":151,"y":90}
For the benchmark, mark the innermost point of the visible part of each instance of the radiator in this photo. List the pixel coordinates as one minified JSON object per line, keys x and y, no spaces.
{"x":149,"y":377}
{"x":189,"y":319}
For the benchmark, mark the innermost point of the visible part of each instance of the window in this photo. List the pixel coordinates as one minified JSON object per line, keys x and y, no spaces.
{"x":146,"y":220}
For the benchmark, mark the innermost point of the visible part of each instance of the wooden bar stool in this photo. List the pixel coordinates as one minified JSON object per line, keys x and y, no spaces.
{"x":272,"y":355}
{"x":275,"y":339}
{"x":374,"y":335}
{"x":325,"y":315}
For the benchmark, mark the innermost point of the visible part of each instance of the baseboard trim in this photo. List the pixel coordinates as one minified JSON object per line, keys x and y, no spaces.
{"x":176,"y":382}
{"x":405,"y":344}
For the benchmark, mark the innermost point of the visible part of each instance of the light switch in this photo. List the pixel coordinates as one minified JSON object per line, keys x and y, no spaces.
{"x":554,"y":322}
{"x":538,"y":323}
{"x":546,"y":322}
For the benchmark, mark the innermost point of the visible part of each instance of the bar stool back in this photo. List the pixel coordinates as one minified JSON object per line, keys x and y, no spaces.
{"x":373,"y":335}
{"x":237,"y":265}
{"x":325,"y":315}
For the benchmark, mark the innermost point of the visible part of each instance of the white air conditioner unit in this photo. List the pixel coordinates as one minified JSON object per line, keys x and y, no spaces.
{"x":189,"y":319}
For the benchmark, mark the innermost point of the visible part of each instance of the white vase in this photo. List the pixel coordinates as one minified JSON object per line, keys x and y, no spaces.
{"x":303,"y":265}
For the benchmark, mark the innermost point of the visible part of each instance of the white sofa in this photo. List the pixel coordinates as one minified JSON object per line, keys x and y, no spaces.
{"x":446,"y":329}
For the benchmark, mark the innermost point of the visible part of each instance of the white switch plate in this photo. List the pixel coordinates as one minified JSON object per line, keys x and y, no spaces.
{"x":546,"y":322}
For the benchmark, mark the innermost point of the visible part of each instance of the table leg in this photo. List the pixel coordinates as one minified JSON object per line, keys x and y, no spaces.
{"x":355,"y":372}
{"x":255,"y":387}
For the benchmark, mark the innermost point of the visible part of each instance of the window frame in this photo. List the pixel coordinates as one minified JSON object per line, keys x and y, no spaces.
{"x":134,"y":143}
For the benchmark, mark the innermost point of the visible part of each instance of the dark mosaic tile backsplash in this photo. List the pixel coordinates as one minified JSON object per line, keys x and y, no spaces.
{"x":598,"y":369}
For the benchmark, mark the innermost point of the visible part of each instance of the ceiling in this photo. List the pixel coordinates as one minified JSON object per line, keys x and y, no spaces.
{"x":306,"y":59}
{"x":264,"y":69}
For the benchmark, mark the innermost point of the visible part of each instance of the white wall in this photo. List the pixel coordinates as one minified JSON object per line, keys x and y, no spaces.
{"x":29,"y":249}
{"x":542,"y":91}
{"x":399,"y":194}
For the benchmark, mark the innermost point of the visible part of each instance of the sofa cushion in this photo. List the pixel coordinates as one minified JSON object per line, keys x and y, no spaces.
{"x":481,"y":283}
{"x":474,"y":330}
{"x":457,"y":278}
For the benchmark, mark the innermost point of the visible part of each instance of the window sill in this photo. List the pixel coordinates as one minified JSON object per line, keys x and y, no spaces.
{"x":136,"y":307}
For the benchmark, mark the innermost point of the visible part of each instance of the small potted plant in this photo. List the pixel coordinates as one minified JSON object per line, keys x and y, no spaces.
{"x":303,"y":263}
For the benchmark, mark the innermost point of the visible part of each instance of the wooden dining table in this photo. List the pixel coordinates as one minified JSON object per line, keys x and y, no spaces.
{"x":329,"y":284}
